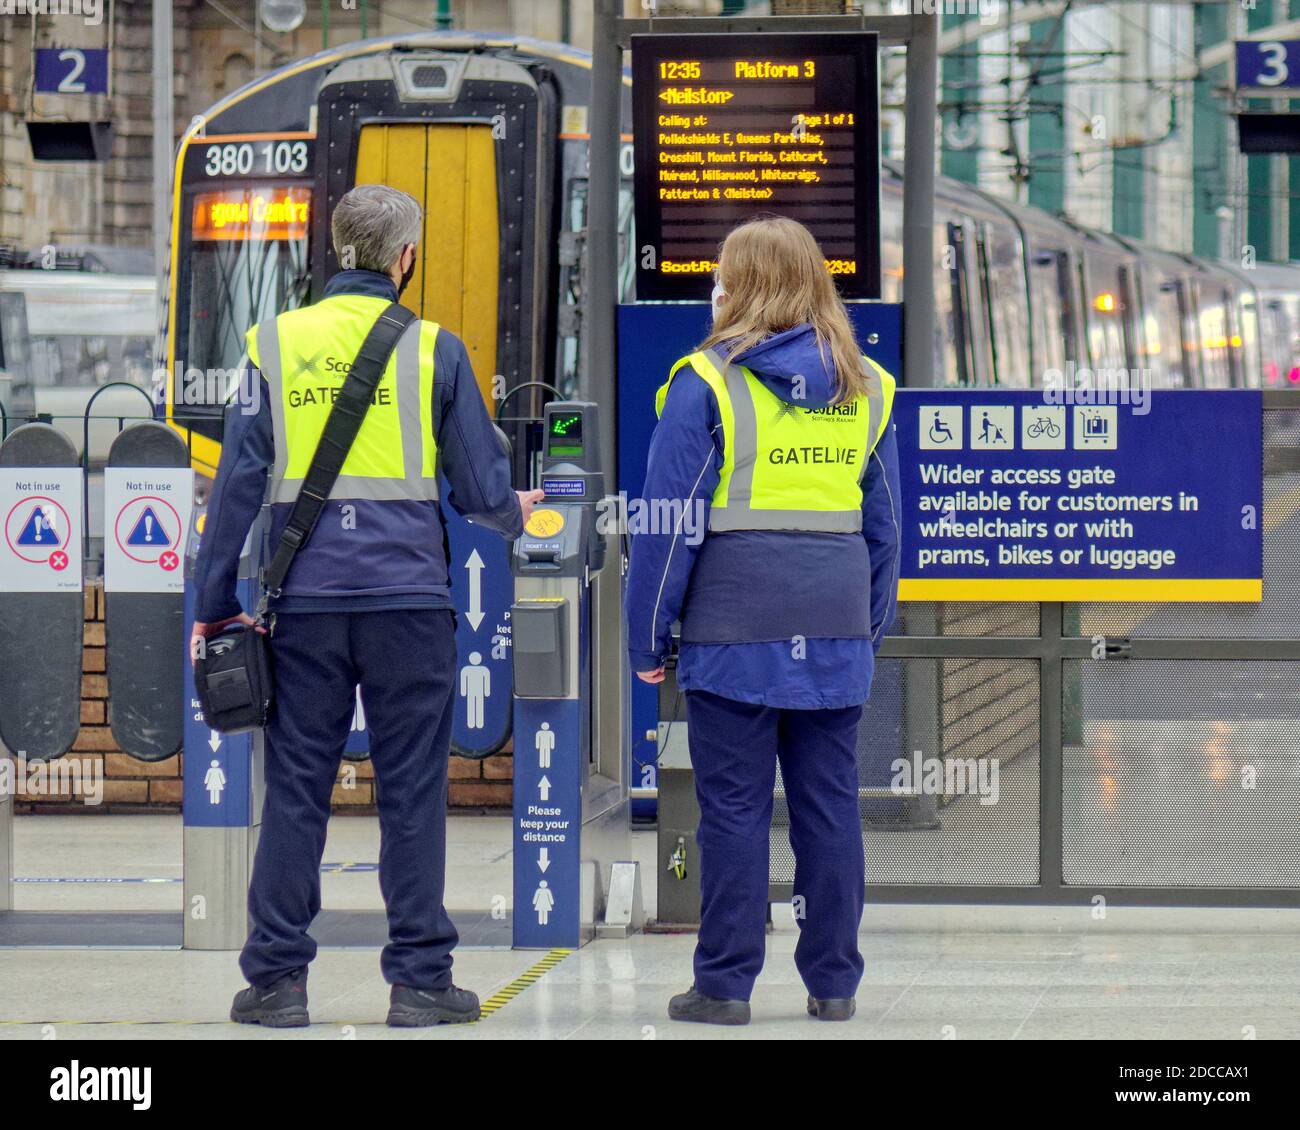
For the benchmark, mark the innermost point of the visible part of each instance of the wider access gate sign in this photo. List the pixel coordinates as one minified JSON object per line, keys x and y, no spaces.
{"x":1034,"y":496}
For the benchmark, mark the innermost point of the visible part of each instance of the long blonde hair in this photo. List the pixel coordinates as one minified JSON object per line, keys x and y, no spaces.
{"x":775,"y":278}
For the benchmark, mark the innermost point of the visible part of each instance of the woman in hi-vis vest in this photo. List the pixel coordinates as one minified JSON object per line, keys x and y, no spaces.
{"x":775,"y":457}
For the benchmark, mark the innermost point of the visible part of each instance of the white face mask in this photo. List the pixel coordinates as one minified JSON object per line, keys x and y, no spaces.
{"x":716,"y":300}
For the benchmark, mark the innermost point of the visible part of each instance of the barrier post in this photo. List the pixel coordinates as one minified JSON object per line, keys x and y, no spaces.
{"x":222,"y":797}
{"x":148,"y":499}
{"x":42,"y":606}
{"x":570,"y":817}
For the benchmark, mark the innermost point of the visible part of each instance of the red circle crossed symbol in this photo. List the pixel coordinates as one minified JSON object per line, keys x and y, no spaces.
{"x":169,"y":561}
{"x":58,"y":561}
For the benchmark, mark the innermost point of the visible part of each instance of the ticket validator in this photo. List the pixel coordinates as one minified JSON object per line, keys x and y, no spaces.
{"x":571,"y":880}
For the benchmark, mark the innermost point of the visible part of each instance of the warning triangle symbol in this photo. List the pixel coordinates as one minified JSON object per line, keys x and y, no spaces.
{"x":148,"y":531}
{"x":39,"y":529}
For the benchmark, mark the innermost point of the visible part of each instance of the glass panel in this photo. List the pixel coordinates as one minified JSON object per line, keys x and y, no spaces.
{"x":966,"y":814}
{"x":1181,"y":773}
{"x":240,"y":274}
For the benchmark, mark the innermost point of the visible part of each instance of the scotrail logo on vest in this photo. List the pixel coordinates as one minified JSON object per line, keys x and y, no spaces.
{"x":75,"y":1083}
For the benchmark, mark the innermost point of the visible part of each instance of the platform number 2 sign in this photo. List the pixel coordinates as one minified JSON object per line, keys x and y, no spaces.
{"x":71,"y":70}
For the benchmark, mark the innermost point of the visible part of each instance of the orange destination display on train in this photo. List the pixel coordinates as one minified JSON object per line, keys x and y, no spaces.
{"x":252,"y":214}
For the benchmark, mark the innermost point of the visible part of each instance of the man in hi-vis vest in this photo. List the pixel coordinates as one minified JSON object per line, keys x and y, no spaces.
{"x":367,"y":601}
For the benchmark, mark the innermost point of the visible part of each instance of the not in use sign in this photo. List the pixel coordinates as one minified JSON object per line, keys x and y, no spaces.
{"x":41,"y":508}
{"x":146,"y":522}
{"x":1031,"y":496}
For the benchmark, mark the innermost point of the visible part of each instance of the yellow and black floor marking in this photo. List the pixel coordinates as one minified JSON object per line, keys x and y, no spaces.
{"x":528,"y":977}
{"x":494,"y":1003}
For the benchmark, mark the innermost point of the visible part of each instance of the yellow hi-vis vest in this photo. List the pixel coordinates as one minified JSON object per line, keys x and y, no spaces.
{"x":786,"y":467}
{"x":305,"y":356}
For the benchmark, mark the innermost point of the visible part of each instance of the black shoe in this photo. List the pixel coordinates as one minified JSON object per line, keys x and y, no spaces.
{"x":282,"y":1004}
{"x":423,"y":1008}
{"x":834,"y":1008}
{"x":694,"y":1006}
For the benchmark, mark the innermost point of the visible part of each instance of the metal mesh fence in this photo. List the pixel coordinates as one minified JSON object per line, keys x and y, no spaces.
{"x":954,"y":618}
{"x":948,"y":775}
{"x":1164,"y":771}
{"x":1184,"y":773}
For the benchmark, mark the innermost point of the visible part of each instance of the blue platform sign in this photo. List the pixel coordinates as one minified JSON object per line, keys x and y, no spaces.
{"x":651,"y":337}
{"x":71,"y":70}
{"x":482,"y":589}
{"x":548,"y":823}
{"x":1036,"y":496}
{"x":1273,"y":63}
{"x":217,"y":787}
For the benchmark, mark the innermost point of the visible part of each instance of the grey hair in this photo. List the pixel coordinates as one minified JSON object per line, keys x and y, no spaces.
{"x":372,"y":224}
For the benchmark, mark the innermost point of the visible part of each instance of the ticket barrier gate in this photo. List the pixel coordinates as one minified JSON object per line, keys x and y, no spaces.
{"x":571,"y":824}
{"x":572,"y":877}
{"x":147,"y":494}
{"x":571,"y":789}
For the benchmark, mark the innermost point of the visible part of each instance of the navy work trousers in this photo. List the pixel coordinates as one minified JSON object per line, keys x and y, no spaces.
{"x":405,"y":664}
{"x":735,"y":747}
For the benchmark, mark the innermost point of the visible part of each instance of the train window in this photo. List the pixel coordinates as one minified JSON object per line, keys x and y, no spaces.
{"x":891,"y":249}
{"x":1004,"y":286}
{"x":1274,"y":335}
{"x":1072,"y":339}
{"x":952,"y":351}
{"x":1049,"y":315}
{"x":1087,"y":354}
{"x":1105,"y":324}
{"x":1244,"y":341}
{"x":1282,"y":365}
{"x":247,"y":262}
{"x":979,"y":321}
{"x":1289,"y":348}
{"x":1212,"y":326}
{"x":1168,"y":361}
{"x":1135,"y":348}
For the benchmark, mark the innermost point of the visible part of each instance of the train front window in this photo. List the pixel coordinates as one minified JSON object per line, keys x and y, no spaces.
{"x":248,"y":262}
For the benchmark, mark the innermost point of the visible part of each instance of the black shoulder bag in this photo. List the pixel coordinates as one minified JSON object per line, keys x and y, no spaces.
{"x":232,"y":673}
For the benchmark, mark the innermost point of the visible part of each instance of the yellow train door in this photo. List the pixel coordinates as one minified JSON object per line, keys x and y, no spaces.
{"x":450,"y":168}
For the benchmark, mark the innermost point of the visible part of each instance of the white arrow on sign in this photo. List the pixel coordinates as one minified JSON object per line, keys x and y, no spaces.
{"x":475,"y":568}
{"x":214,"y":740}
{"x":544,"y":859}
{"x":544,"y":787}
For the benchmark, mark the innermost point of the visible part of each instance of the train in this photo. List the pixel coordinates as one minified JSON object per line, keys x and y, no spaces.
{"x":74,"y":320}
{"x":490,"y":133}
{"x":1024,"y":297}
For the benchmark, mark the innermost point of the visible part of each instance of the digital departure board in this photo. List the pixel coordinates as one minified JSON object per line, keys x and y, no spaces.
{"x":726,"y":127}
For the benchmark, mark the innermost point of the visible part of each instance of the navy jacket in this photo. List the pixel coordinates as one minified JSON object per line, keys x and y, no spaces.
{"x":332,"y":572}
{"x":825,"y":671}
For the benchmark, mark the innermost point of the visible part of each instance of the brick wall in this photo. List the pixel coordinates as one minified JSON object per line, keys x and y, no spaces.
{"x":138,"y":786}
